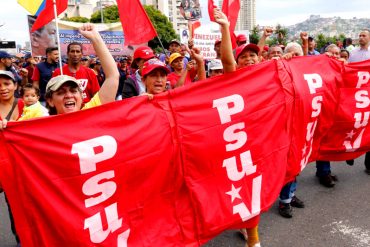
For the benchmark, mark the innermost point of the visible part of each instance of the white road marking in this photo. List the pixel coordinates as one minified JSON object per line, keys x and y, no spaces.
{"x":361,"y":237}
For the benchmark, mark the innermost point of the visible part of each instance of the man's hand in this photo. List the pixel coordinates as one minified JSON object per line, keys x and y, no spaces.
{"x":304,"y":36}
{"x":267,"y":32}
{"x":220,"y":17}
{"x":88,"y":31}
{"x":195,"y":53}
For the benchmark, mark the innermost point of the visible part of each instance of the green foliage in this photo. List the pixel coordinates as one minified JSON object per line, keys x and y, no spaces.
{"x":281,"y":34}
{"x":77,"y":19}
{"x":163,"y":27}
{"x":254,"y":36}
{"x":322,"y":40}
{"x":110,"y":15}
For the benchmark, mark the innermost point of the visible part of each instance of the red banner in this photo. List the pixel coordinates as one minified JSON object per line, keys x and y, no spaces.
{"x":180,"y":169}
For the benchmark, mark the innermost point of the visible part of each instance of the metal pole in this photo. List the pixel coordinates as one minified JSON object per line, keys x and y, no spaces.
{"x":101,"y":12}
{"x":160,"y":42}
{"x":56,"y":25}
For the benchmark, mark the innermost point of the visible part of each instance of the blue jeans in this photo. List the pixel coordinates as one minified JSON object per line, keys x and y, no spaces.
{"x":322,"y":168}
{"x":287,"y":192}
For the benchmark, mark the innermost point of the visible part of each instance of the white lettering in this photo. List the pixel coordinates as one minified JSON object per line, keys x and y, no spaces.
{"x":93,"y":186}
{"x":224,"y":111}
{"x":95,"y":225}
{"x":362,"y":99}
{"x":363,"y":78}
{"x":238,"y":138}
{"x":242,"y":209}
{"x":88,"y":157}
{"x":361,"y":120}
{"x":314,"y":81}
{"x":316,"y":106}
{"x":247,"y":166}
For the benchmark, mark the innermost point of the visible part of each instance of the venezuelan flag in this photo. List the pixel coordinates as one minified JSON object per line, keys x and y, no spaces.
{"x":34,"y":7}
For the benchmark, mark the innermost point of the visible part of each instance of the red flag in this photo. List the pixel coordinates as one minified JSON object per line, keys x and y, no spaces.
{"x":231,"y":9}
{"x":211,"y":6}
{"x":47,"y":14}
{"x":136,"y":25}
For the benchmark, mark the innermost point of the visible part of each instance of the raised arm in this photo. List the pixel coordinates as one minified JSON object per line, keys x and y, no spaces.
{"x":227,"y":56}
{"x":107,"y":92}
{"x":304,"y":38}
{"x":267,"y":32}
{"x":197,"y":56}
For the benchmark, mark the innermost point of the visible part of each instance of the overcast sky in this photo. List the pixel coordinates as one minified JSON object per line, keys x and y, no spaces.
{"x":269,"y":12}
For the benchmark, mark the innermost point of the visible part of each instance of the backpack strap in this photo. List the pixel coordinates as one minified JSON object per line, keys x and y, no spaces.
{"x":12,"y":110}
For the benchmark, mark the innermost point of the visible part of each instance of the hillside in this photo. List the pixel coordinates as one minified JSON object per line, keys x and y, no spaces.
{"x":330,"y":26}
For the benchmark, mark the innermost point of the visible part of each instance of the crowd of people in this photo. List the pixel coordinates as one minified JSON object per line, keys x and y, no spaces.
{"x":32,"y":87}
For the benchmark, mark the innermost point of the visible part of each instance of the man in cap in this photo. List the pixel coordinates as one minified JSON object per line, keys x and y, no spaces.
{"x":85,"y":76}
{"x":241,"y":39}
{"x":6,"y":64}
{"x":215,"y":68}
{"x":133,"y":85}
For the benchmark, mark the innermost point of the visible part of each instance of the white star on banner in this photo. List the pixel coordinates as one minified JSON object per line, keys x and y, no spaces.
{"x":234,"y":193}
{"x":350,"y":134}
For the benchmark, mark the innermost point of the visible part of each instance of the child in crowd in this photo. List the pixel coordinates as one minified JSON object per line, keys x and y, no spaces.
{"x":32,"y":106}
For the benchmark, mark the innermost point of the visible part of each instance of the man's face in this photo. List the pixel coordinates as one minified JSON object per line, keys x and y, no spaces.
{"x":364,"y":38}
{"x":174,"y":47}
{"x":53,"y":56}
{"x":275,"y":52}
{"x":74,"y":54}
{"x":7,"y":62}
{"x":311,"y":45}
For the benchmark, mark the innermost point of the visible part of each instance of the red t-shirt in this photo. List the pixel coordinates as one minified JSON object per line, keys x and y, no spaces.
{"x":173,"y":78}
{"x":86,"y":77}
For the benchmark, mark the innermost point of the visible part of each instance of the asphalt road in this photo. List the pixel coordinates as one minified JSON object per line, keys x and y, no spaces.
{"x":333,"y":217}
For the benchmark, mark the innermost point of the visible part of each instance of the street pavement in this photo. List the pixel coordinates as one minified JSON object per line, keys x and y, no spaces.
{"x":333,"y":217}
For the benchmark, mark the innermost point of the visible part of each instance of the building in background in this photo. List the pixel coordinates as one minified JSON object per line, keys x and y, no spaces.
{"x":247,"y":15}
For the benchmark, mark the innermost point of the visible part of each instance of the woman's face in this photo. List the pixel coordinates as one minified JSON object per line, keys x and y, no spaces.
{"x":156,"y":81}
{"x":7,"y":89}
{"x":247,"y":58}
{"x":68,"y":98}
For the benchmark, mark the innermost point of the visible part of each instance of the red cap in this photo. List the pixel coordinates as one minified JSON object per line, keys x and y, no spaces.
{"x":153,"y":64}
{"x":142,"y":52}
{"x":241,"y":38}
{"x":251,"y":47}
{"x":266,"y":48}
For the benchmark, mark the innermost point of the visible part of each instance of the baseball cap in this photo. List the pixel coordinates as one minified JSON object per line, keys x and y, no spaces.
{"x":153,"y":64}
{"x":28,"y":55}
{"x":56,"y":82}
{"x":251,"y":47}
{"x":173,"y":57}
{"x":7,"y":74}
{"x":175,"y":41}
{"x":4,"y":54}
{"x":215,"y":64}
{"x":241,"y":37}
{"x":142,"y":52}
{"x":86,"y":58}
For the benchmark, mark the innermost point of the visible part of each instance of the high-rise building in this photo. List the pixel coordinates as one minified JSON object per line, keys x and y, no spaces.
{"x":171,"y":9}
{"x":247,"y":14}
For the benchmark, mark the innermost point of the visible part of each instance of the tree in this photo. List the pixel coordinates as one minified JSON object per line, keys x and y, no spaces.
{"x":110,"y":15}
{"x":281,"y":34}
{"x":77,"y":19}
{"x":254,"y":36}
{"x":163,"y":27}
